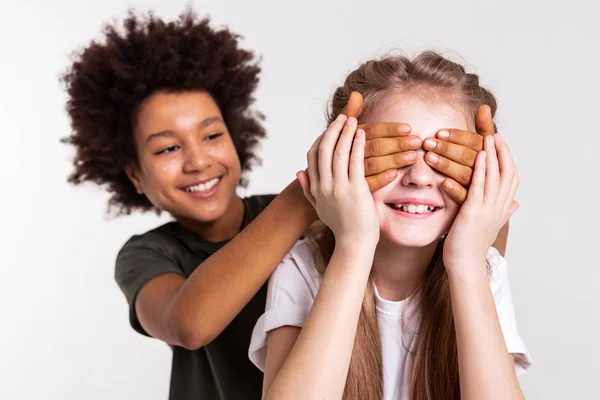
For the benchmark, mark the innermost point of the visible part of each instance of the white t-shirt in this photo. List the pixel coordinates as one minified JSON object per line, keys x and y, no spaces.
{"x":292,"y":291}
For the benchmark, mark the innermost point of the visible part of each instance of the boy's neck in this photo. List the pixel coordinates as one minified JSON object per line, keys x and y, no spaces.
{"x":398,"y":271}
{"x":221,"y":229}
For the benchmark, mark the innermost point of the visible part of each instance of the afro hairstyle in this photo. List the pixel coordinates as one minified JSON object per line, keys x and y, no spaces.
{"x":109,"y":80}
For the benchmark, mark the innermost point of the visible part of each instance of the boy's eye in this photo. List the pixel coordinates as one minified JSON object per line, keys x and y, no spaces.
{"x":169,"y":149}
{"x":213,"y":136}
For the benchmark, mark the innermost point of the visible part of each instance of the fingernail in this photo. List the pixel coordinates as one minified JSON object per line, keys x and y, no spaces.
{"x":499,"y":138}
{"x":429,"y":143}
{"x":415,"y":142}
{"x":448,"y":185}
{"x":390,"y":174}
{"x":404,"y":128}
{"x":443,"y":134}
{"x":341,"y":117}
{"x":359,"y":133}
{"x":433,"y":157}
{"x":411,"y":156}
{"x":351,"y":121}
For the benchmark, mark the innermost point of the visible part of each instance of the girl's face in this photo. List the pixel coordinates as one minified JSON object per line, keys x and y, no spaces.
{"x":188,"y":165}
{"x":414,"y":210}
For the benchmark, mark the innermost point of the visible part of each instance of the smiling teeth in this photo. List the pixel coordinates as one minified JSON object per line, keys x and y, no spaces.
{"x":203,"y":187}
{"x":414,"y":209}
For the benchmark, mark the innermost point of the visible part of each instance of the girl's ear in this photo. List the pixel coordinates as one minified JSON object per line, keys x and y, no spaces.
{"x":133,"y":173}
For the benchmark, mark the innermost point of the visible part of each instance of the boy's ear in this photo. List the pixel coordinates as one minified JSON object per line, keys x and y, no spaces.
{"x":133,"y":172}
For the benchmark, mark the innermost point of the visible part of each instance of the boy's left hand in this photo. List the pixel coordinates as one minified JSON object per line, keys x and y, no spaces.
{"x":453,"y":153}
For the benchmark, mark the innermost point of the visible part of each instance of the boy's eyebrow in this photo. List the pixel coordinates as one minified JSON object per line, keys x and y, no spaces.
{"x":209,"y":121}
{"x":168,"y":133}
{"x":156,"y":135}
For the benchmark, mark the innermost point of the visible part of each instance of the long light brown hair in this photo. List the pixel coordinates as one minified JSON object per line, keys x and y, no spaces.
{"x":435,"y":359}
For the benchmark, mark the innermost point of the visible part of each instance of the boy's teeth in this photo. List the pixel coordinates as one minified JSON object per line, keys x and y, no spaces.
{"x":203,"y":187}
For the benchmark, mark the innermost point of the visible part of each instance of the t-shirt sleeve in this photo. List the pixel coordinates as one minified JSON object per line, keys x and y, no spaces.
{"x":500,"y":287}
{"x":136,"y":265}
{"x":291,"y":292}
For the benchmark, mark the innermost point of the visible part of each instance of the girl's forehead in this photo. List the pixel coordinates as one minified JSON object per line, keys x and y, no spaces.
{"x":425,"y":115}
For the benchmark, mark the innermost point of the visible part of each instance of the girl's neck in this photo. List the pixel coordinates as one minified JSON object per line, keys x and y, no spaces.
{"x":398,"y":270}
{"x":220,"y":229}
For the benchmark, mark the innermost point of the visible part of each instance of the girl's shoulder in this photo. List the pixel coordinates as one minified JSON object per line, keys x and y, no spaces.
{"x":493,"y":258}
{"x":298,"y":268}
{"x":304,"y":250}
{"x":496,"y":264}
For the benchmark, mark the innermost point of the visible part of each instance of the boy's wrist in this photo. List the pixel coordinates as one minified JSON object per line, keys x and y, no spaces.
{"x":294,"y":198}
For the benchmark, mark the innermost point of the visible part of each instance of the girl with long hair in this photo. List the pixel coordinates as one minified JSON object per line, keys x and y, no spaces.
{"x":400,"y":295}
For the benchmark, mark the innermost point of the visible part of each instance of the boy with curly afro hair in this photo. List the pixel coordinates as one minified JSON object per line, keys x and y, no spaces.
{"x":161,"y":117}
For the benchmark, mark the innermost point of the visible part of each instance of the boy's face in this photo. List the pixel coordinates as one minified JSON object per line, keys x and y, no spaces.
{"x":188,"y":165}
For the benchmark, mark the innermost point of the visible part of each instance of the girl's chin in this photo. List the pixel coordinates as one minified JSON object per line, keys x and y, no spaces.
{"x":404,"y":240}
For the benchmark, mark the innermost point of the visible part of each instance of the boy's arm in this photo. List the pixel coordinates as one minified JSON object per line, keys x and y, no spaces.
{"x":192,"y":312}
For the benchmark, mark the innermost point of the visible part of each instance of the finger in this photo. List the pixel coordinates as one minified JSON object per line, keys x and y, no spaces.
{"x":452,"y":169}
{"x":513,"y":207}
{"x":375,"y":165}
{"x":354,"y":106}
{"x":341,"y":154}
{"x":455,"y":190}
{"x":464,"y":138}
{"x":382,"y":179}
{"x":513,"y":191}
{"x":313,"y":163}
{"x":511,"y":197}
{"x":305,"y":183}
{"x":492,"y":173}
{"x":484,"y":123}
{"x":385,"y":146}
{"x":456,"y":152}
{"x":326,"y":148}
{"x":478,"y":183}
{"x":385,"y":129}
{"x":357,"y":169}
{"x":507,"y":171}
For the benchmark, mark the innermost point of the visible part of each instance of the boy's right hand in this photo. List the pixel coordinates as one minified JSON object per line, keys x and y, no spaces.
{"x":388,"y":146}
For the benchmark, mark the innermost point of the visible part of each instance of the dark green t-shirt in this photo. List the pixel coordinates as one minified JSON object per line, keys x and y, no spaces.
{"x":221,"y":369}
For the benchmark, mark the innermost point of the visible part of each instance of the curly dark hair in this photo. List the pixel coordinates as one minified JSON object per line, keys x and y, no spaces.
{"x":109,"y":80}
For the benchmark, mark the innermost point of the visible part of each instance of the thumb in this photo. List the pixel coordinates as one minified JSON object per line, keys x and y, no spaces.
{"x":354,"y":106}
{"x":483,"y":121}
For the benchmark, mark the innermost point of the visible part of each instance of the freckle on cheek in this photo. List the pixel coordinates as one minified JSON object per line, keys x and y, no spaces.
{"x":168,"y":165}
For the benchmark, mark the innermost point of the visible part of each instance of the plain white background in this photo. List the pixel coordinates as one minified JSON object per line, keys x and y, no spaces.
{"x":64,"y":332}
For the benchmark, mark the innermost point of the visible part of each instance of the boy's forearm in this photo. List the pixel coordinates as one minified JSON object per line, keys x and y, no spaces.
{"x":226,"y":281}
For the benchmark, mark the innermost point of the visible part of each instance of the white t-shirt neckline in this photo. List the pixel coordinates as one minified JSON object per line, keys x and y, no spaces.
{"x":387,"y":306}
